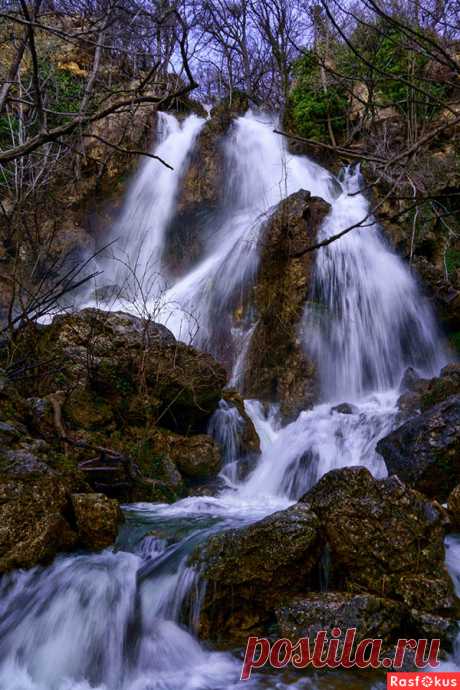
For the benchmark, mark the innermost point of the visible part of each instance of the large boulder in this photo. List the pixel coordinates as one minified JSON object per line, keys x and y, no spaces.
{"x":383,"y":538}
{"x":196,"y":457}
{"x":117,"y":369}
{"x":251,"y":571}
{"x":277,"y":366}
{"x":114,"y":393}
{"x":41,"y":513}
{"x":425,"y":451}
{"x":376,"y":546}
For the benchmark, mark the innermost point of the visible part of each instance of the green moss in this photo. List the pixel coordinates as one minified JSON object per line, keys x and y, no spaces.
{"x":64,"y":92}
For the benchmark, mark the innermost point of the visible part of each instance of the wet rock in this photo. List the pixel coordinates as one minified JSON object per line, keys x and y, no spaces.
{"x":442,"y":387}
{"x":33,"y":527}
{"x":384,"y":538}
{"x":421,"y":394}
{"x":411,"y":381}
{"x":345,"y":408}
{"x":97,"y":520}
{"x":373,"y":616}
{"x":425,"y":451}
{"x":201,"y":190}
{"x":277,"y":366}
{"x":409,"y":404}
{"x":431,"y":627}
{"x":251,"y":571}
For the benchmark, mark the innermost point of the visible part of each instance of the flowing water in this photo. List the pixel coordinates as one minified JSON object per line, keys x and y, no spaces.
{"x":125,"y":619}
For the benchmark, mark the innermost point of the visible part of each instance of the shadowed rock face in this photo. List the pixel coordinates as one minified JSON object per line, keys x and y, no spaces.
{"x":202,"y":189}
{"x":425,"y":451}
{"x":277,"y":367}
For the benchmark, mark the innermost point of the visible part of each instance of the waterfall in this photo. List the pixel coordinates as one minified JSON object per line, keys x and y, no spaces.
{"x":259,"y":173}
{"x":124,"y":620}
{"x":366,"y":320}
{"x":138,"y":236}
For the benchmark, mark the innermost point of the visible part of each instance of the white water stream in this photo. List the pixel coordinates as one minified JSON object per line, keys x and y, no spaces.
{"x":121,"y":621}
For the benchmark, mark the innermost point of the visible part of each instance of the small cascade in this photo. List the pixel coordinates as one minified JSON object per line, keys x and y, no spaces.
{"x":226,"y":426}
{"x":364,"y":323}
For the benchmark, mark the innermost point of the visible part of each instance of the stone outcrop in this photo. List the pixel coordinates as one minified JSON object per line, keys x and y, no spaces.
{"x":277,"y":366}
{"x":425,"y":451}
{"x":250,"y":571}
{"x":196,"y":457}
{"x":92,"y":426}
{"x":115,"y":368}
{"x":384,"y":545}
{"x":97,"y":519}
{"x":202,"y":188}
{"x":40,"y":517}
{"x":249,"y":441}
{"x":384,"y":538}
{"x":33,"y":526}
{"x":373,"y":616}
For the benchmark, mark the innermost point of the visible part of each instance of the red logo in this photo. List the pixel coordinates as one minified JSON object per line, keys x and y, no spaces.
{"x":423,"y":680}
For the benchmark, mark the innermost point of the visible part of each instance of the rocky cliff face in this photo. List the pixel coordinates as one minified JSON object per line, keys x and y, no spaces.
{"x":277,"y":367}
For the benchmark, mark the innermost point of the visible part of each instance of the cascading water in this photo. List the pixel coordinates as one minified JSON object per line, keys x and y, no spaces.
{"x":124,"y":620}
{"x":226,"y":426}
{"x":139,"y":233}
{"x":365,"y":321}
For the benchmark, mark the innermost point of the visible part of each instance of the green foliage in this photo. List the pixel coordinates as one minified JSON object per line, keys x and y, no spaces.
{"x":310,"y":105}
{"x":395,"y":72}
{"x":64,"y":92}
